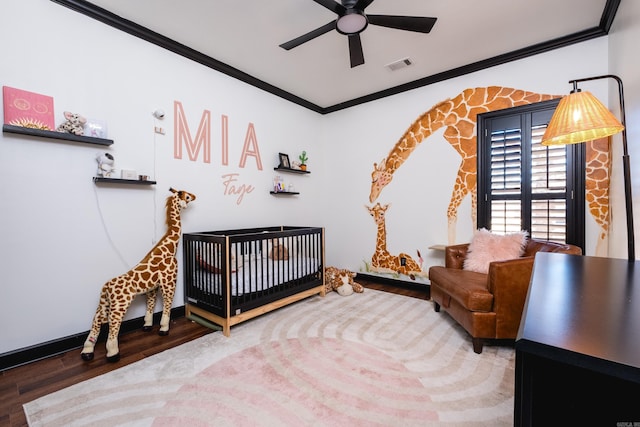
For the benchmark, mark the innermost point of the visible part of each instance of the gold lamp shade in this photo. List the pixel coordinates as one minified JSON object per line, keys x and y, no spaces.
{"x":580,"y":117}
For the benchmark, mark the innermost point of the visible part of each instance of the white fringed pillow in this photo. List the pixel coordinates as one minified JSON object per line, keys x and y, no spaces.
{"x":486,"y":247}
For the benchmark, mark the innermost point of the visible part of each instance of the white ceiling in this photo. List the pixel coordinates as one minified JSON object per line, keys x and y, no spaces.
{"x":246,"y":35}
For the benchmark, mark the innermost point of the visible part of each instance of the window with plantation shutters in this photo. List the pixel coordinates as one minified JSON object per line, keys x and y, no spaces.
{"x":523,"y":185}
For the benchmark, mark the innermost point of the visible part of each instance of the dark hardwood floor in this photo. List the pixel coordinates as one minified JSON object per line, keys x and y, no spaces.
{"x":28,"y":382}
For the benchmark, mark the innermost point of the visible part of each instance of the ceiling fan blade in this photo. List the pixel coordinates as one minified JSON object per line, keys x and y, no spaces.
{"x":409,"y":23}
{"x":362,"y":4}
{"x":355,"y":50}
{"x":309,"y":36}
{"x":332,"y":6}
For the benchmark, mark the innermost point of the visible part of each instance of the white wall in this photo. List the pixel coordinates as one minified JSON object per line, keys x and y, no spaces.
{"x":625,"y":63}
{"x":57,"y":250}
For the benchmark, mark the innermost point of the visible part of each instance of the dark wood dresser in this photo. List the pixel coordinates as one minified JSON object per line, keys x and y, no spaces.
{"x":578,"y":346}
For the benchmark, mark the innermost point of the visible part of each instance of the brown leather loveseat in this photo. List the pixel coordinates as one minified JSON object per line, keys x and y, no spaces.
{"x":488,"y":306}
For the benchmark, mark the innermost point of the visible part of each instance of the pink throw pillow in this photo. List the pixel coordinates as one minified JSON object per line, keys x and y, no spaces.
{"x":486,"y":247}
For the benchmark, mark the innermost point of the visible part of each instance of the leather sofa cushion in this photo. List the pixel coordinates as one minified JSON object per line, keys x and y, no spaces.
{"x":534,"y":246}
{"x":467,"y":287}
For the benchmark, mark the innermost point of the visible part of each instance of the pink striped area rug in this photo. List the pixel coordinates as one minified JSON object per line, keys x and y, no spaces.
{"x":371,"y":359}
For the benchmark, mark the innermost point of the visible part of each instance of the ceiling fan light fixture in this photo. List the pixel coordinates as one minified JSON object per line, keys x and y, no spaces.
{"x":352,"y":22}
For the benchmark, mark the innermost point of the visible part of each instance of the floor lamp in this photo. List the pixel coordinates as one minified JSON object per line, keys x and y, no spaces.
{"x":580,"y":117}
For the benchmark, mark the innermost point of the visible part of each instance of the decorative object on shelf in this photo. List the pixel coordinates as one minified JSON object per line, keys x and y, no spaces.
{"x":581,"y":117}
{"x":303,"y":160}
{"x":74,"y":124}
{"x":95,"y":128}
{"x":105,"y":165}
{"x":278,"y":184}
{"x":28,"y":109}
{"x":284,"y":161}
{"x":279,"y":187}
{"x":158,"y":270}
{"x":128,"y":174}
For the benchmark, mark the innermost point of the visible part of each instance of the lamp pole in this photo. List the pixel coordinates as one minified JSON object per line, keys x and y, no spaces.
{"x":625,"y":163}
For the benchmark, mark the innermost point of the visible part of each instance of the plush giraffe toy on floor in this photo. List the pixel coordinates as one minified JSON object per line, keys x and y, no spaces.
{"x":157,"y":270}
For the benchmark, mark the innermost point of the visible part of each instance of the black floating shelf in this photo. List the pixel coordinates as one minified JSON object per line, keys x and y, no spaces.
{"x":97,"y":179}
{"x":284,"y":193}
{"x":55,"y":135}
{"x":290,"y":170}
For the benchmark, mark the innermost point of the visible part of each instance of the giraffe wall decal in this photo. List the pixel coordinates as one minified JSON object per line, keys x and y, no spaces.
{"x":459,"y":116}
{"x":157,"y":270}
{"x":597,"y":179}
{"x":382,"y":261}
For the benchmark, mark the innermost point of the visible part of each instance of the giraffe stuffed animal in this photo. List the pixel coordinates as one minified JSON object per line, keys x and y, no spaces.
{"x":157,"y":270}
{"x":341,"y":281}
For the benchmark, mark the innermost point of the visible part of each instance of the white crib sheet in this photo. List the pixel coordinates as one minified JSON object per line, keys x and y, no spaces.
{"x":262,"y":274}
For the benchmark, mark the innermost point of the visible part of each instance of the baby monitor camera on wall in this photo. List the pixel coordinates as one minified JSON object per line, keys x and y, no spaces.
{"x":158,"y":114}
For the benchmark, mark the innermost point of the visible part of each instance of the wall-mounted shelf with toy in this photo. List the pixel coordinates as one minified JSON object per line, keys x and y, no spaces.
{"x":30,"y":113}
{"x":279,"y":185}
{"x":106,"y":173}
{"x":99,"y":180}
{"x":284,"y":193}
{"x":285,"y":165}
{"x":50,"y":134}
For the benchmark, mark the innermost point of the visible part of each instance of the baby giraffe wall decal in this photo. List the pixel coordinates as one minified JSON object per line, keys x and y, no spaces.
{"x":382,"y":261}
{"x":157,"y":270}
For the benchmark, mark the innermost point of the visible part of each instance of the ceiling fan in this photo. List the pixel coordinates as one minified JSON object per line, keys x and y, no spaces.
{"x":352,"y":21}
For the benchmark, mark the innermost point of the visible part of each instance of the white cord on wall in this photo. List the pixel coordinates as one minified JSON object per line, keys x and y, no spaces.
{"x":154,"y":239}
{"x":106,"y":230}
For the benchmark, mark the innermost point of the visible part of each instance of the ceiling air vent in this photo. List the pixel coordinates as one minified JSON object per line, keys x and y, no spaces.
{"x":396,"y":65}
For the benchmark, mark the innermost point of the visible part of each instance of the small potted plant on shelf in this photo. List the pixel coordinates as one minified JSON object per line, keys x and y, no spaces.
{"x":303,"y":160}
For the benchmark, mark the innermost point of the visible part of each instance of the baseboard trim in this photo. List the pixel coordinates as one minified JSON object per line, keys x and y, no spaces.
{"x":394,"y":282}
{"x":41,"y":351}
